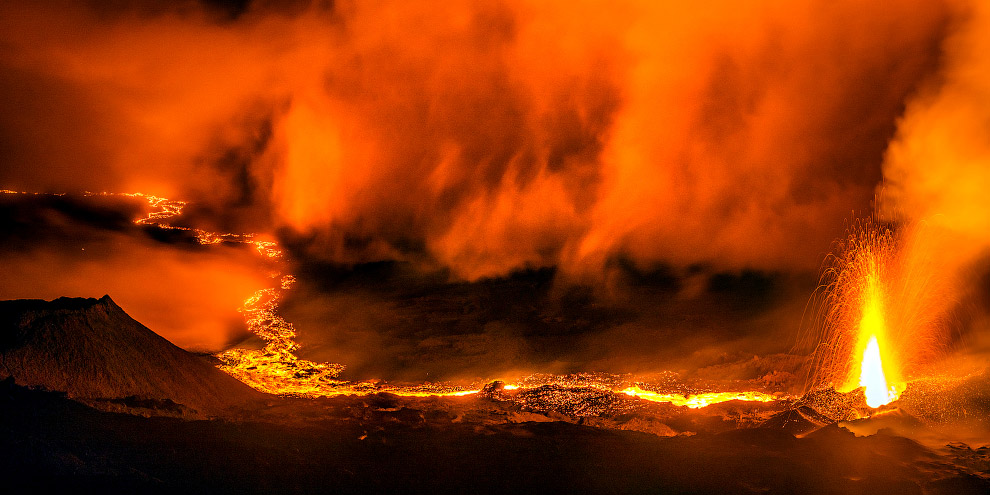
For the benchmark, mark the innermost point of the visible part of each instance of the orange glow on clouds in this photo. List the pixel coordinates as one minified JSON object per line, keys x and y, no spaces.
{"x":485,"y":137}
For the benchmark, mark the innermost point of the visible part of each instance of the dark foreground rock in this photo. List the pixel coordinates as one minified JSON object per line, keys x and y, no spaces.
{"x":559,"y":440}
{"x":51,"y":444}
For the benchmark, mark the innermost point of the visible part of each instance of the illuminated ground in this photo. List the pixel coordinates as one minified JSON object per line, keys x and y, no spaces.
{"x":379,"y":445}
{"x":553,"y":434}
{"x":728,"y":422}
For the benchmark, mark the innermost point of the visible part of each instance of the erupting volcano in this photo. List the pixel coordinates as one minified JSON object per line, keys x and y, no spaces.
{"x":857,"y":316}
{"x":885,"y":315}
{"x":498,"y":246}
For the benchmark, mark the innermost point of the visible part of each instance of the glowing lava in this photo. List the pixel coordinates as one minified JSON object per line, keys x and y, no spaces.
{"x":275,"y":368}
{"x":695,"y":401}
{"x":872,"y":377}
{"x":871,"y":323}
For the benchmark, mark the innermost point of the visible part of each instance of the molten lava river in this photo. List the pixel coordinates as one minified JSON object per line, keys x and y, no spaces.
{"x":859,"y":363}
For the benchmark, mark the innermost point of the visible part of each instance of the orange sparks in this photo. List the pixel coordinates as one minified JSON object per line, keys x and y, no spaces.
{"x":858,"y":316}
{"x":884,"y":312}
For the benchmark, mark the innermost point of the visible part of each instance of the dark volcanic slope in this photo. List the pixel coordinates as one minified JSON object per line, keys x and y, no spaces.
{"x":92,"y":349}
{"x":54,"y":445}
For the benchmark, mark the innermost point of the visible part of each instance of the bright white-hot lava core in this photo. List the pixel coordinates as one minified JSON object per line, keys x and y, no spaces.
{"x":871,"y":375}
{"x":872,"y":378}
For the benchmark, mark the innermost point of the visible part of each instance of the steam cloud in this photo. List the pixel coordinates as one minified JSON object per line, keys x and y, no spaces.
{"x":936,"y":174}
{"x":488,"y":137}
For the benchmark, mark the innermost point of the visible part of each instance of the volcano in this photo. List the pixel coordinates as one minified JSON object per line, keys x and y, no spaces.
{"x":91,"y":349}
{"x":509,"y":246}
{"x":89,"y":353}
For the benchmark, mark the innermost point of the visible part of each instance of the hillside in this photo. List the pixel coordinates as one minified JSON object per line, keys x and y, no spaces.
{"x":90,"y":348}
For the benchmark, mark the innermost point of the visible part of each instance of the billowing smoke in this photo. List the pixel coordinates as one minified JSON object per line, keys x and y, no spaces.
{"x":484,"y":137}
{"x":936,"y":173}
{"x":575,"y":140}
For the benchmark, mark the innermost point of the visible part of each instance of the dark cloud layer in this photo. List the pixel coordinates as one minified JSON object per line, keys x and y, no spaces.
{"x":387,"y":321}
{"x":87,"y":247}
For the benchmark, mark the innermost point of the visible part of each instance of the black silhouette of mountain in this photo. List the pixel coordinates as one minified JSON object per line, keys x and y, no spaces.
{"x":91,"y":349}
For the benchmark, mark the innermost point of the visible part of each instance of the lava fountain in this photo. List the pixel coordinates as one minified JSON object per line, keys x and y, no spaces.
{"x":872,"y":376}
{"x":873,"y":379}
{"x":857,"y":344}
{"x":882,"y":309}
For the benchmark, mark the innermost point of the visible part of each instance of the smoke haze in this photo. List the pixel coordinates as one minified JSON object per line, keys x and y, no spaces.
{"x":482,"y":140}
{"x":485,"y":137}
{"x":936,"y":176}
{"x":59,"y":246}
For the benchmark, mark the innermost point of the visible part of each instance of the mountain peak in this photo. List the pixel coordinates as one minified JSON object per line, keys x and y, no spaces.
{"x":91,"y":348}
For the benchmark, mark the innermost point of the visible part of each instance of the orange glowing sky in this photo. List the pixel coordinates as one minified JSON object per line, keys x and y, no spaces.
{"x":479,"y":139}
{"x":484,"y":137}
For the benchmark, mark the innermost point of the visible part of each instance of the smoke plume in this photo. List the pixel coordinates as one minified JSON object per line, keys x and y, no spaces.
{"x":482,"y":137}
{"x":936,"y":174}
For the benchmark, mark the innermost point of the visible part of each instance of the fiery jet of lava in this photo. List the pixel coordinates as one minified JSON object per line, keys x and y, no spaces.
{"x":871,"y":375}
{"x":867,"y":324}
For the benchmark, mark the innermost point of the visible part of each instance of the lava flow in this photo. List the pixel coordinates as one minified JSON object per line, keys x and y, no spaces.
{"x":276,"y":369}
{"x":695,"y":401}
{"x":880,"y":321}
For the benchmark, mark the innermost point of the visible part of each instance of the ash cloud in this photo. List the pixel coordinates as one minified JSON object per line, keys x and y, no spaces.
{"x":485,"y":139}
{"x":481,"y":137}
{"x":936,"y":178}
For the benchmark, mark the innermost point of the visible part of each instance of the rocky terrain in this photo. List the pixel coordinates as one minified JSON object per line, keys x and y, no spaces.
{"x":95,"y":402}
